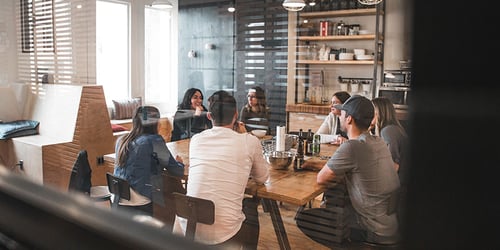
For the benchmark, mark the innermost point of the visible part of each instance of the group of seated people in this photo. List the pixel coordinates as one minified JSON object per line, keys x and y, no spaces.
{"x":368,"y":160}
{"x":191,"y":115}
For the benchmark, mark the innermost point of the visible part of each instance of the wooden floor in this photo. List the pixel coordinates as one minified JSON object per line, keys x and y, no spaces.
{"x":297,"y":239}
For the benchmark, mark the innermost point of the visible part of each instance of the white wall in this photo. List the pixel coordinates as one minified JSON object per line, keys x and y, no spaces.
{"x":398,"y":17}
{"x":8,"y":58}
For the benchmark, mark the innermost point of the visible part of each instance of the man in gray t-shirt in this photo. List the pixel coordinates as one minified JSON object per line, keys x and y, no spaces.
{"x":364,"y":162}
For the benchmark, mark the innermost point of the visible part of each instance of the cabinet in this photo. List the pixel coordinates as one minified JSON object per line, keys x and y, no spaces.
{"x":316,"y":76}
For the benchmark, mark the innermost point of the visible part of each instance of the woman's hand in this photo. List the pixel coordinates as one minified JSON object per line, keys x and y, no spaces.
{"x":179,"y":159}
{"x":339,"y":140}
{"x":239,"y":127}
{"x":198,"y":110}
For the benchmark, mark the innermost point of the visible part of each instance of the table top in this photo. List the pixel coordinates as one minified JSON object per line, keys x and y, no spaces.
{"x":294,"y":187}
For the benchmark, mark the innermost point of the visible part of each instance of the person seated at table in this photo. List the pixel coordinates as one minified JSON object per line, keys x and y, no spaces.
{"x":255,"y":114}
{"x":191,"y":116}
{"x":387,"y":126}
{"x":365,"y":164}
{"x":329,"y":130}
{"x":141,"y":156}
{"x":221,"y":162}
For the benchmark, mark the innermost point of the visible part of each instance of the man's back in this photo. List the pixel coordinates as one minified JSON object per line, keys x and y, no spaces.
{"x":221,"y":161}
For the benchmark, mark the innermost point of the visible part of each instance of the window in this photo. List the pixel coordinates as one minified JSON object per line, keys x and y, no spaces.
{"x":160,"y":88}
{"x":112,"y":49}
{"x":54,"y":41}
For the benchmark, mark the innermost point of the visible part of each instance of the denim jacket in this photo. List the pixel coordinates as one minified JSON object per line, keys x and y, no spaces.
{"x":148,"y":156}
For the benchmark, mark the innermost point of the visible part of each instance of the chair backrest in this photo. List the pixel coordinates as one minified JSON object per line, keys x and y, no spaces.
{"x":194,"y":210}
{"x":80,"y":179}
{"x":119,"y":187}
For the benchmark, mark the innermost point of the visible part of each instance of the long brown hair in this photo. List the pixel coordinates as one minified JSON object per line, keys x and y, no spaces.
{"x":138,"y":128}
{"x":386,"y":115}
{"x":261,"y":100}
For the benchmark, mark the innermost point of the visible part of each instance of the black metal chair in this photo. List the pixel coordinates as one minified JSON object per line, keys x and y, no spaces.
{"x":81,"y":180}
{"x":119,"y":187}
{"x":194,"y":210}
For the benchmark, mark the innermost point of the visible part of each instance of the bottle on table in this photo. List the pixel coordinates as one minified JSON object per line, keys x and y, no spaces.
{"x":299,"y":157}
{"x":316,"y":145}
{"x":308,"y":143}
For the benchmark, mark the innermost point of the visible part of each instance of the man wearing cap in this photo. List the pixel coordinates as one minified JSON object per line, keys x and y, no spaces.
{"x":364,"y":163}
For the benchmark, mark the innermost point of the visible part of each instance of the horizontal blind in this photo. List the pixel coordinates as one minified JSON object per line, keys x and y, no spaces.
{"x":57,"y":41}
{"x":261,"y":53}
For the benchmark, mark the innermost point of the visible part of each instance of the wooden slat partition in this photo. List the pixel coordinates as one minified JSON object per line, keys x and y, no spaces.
{"x":48,"y":158}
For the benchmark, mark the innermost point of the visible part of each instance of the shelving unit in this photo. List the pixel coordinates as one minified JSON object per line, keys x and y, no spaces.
{"x":372,"y":68}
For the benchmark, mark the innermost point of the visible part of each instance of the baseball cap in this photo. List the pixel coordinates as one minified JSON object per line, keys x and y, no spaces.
{"x":359,"y":107}
{"x":149,"y":115}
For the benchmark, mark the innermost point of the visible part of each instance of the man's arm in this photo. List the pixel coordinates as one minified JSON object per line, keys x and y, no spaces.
{"x":325,"y":175}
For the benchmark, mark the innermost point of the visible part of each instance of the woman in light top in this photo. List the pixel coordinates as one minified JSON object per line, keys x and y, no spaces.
{"x":255,"y":114}
{"x":329,"y":130}
{"x":141,"y":156}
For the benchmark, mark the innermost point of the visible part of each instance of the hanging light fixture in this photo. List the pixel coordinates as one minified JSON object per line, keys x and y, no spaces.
{"x":161,"y":4}
{"x":294,"y":5}
{"x":369,"y":2}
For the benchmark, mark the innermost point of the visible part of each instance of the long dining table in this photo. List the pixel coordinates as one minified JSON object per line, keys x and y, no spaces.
{"x":289,"y":186}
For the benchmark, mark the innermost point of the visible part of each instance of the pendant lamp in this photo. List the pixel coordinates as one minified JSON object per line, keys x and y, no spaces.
{"x":294,"y":5}
{"x":369,"y":2}
{"x":161,"y":4}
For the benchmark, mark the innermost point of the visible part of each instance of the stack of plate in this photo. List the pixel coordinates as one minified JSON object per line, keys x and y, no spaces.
{"x":364,"y":57}
{"x":346,"y":56}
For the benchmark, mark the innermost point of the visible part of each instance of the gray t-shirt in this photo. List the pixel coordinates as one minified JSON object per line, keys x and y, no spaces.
{"x":367,"y":166}
{"x":396,"y":140}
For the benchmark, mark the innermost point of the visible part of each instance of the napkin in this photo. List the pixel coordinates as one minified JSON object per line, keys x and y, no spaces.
{"x":280,"y":138}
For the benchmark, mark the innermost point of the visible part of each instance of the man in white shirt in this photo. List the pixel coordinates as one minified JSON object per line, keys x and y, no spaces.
{"x":221,"y":162}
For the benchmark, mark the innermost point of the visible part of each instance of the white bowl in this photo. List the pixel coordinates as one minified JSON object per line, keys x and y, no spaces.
{"x":259,"y":132}
{"x":364,"y":57}
{"x":359,"y":51}
{"x":346,"y":56}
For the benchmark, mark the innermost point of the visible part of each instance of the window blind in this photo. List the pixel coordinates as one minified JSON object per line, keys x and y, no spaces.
{"x":57,"y":41}
{"x":261,"y":53}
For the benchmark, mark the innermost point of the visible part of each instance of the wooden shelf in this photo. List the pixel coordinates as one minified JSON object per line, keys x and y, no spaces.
{"x":336,"y":38}
{"x":338,"y":62}
{"x":339,"y":13}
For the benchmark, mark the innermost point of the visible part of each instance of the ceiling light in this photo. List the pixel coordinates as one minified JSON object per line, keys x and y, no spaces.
{"x":369,"y":2}
{"x":161,"y":4}
{"x":312,"y":3}
{"x":294,"y":5}
{"x":231,"y":9}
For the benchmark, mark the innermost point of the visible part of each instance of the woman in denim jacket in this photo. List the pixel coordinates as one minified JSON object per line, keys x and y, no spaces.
{"x":141,"y":157}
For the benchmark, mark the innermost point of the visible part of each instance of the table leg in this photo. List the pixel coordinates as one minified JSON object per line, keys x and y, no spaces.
{"x":279,"y":228}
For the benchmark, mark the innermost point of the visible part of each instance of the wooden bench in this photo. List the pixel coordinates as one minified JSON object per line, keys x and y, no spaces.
{"x":165,"y":127}
{"x":72,"y":117}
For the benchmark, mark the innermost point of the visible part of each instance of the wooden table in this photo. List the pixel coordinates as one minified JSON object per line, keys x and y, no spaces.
{"x":294,"y":187}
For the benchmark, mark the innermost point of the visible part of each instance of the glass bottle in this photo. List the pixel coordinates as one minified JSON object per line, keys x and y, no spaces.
{"x":316,"y":145}
{"x":308,"y":143}
{"x":299,"y":157}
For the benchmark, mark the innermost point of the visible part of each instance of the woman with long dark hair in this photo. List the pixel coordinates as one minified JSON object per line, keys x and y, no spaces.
{"x":141,"y":156}
{"x":191,"y":116}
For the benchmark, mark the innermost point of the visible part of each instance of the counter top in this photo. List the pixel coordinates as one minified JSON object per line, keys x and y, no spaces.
{"x":322,"y":109}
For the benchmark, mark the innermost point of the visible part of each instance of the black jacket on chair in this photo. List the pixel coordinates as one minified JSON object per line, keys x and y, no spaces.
{"x":80,"y":179}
